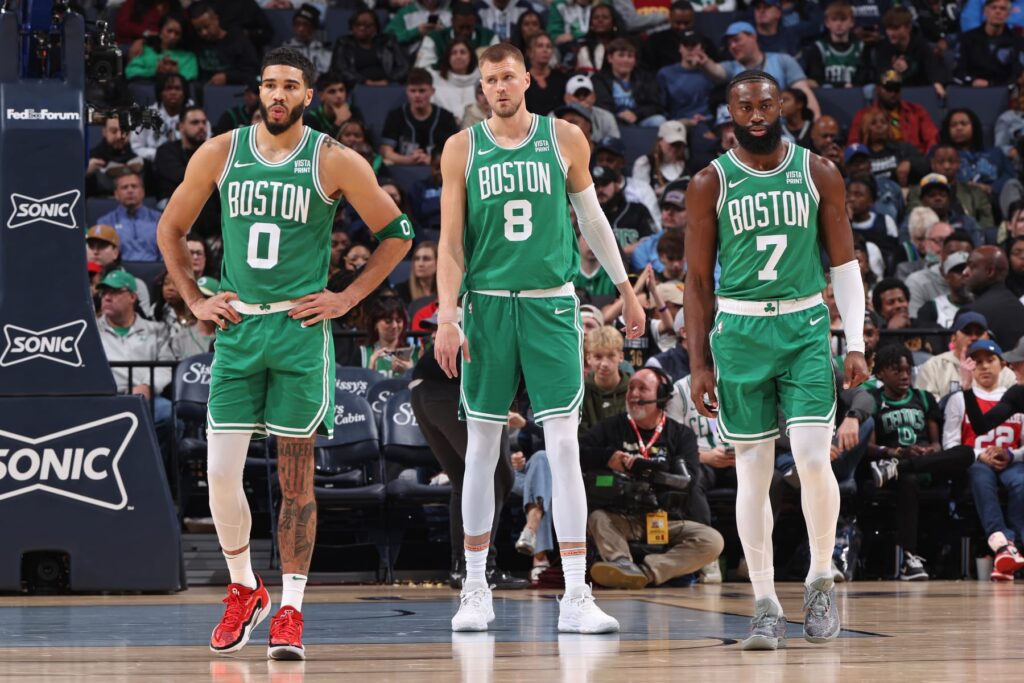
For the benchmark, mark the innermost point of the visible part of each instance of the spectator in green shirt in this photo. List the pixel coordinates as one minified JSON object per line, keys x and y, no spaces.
{"x":162,"y":54}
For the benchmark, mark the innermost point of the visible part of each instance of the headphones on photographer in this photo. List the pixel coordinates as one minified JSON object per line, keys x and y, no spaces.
{"x":665,"y":388}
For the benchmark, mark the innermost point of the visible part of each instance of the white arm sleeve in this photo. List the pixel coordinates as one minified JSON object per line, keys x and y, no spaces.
{"x":849,"y":292}
{"x":598,"y":233}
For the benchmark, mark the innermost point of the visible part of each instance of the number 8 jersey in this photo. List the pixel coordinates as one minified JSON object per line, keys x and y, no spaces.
{"x":518,"y":234}
{"x":276,"y":221}
{"x":768,"y":229}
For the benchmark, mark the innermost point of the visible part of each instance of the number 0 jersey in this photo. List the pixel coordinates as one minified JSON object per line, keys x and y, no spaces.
{"x":518,"y":234}
{"x":768,"y":229}
{"x":276,"y":221}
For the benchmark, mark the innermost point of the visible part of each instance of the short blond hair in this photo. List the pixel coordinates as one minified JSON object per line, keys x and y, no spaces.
{"x":499,"y":52}
{"x":605,"y":338}
{"x":921,"y":219}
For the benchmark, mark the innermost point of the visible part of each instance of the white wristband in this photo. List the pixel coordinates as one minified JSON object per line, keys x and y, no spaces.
{"x":849,"y":293}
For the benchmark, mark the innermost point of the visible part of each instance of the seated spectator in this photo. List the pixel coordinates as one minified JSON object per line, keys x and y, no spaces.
{"x":226,"y":57}
{"x":108,"y":158}
{"x":425,"y":196}
{"x":136,"y":19}
{"x":890,"y":299}
{"x":935,"y":192}
{"x":985,"y":169}
{"x":422,"y":280}
{"x":616,"y":443}
{"x":547,"y":86}
{"x":603,"y":29}
{"x":972,"y":15}
{"x":668,"y":301}
{"x":797,"y":117}
{"x":628,"y":92}
{"x":666,"y":163}
{"x":896,"y":161}
{"x":501,"y":16}
{"x":605,"y":386}
{"x":127,"y":336}
{"x":353,"y":134}
{"x":592,"y":278}
{"x":169,"y":308}
{"x":1015,"y":258}
{"x":355,"y":257}
{"x":305,"y":24}
{"x":135,"y":223}
{"x":171,"y":158}
{"x":1013,"y":226}
{"x":927,"y":233}
{"x":826,"y":140}
{"x":335,"y":108}
{"x":456,"y":78}
{"x":866,"y":253}
{"x":533,"y":483}
{"x":465,"y":25}
{"x":906,"y":443}
{"x":939,"y":23}
{"x":417,"y":19}
{"x":579,"y":90}
{"x":971,"y":198}
{"x":367,"y":56}
{"x":103,"y":247}
{"x":171,"y":100}
{"x":832,"y":60}
{"x":770,"y":35}
{"x":200,"y":255}
{"x":249,"y":18}
{"x":932,"y":283}
{"x":986,"y":278}
{"x":569,"y":20}
{"x":673,"y":221}
{"x":878,"y":229}
{"x":990,"y":55}
{"x":675,"y":362}
{"x":661,"y":48}
{"x":940,"y":376}
{"x":903,"y":51}
{"x":242,"y":114}
{"x":1010,"y":123}
{"x":857,"y":160}
{"x":412,"y":131}
{"x":577,"y":116}
{"x":529,"y":24}
{"x":685,"y":85}
{"x":387,"y":322}
{"x":906,"y":122}
{"x":611,"y":152}
{"x":162,"y":53}
{"x":186,"y":336}
{"x":629,"y":221}
{"x":340,"y":242}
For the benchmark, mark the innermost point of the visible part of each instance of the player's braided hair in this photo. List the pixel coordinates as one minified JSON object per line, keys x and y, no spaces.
{"x":749,"y":76}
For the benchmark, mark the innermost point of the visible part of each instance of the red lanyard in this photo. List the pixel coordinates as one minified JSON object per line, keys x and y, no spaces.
{"x":644,"y":448}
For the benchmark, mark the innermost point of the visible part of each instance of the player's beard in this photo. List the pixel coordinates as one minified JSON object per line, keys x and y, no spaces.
{"x":278,"y":128}
{"x":508,"y":113}
{"x":759,"y":144}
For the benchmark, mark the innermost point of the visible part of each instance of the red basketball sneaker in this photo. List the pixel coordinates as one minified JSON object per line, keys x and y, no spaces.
{"x":1008,"y":559}
{"x":246,"y":608}
{"x":286,"y":635}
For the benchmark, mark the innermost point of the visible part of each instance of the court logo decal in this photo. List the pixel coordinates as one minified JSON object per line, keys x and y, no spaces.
{"x":58,"y":344}
{"x":80,"y":462}
{"x":57,"y":209}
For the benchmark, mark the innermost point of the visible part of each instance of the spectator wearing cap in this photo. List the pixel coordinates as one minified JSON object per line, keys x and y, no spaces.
{"x":171,"y":100}
{"x":578,"y":116}
{"x":770,"y":36}
{"x":631,"y":93}
{"x":927,"y":284}
{"x":673,"y":221}
{"x":972,"y":15}
{"x":135,"y":223}
{"x":876,"y":228}
{"x":367,"y":56}
{"x":630,"y":221}
{"x":724,"y":130}
{"x":547,"y":86}
{"x":305,"y":24}
{"x":927,"y":235}
{"x":414,"y":130}
{"x":661,"y":48}
{"x":335,"y":109}
{"x":832,"y":60}
{"x":103,"y":247}
{"x":986,"y":278}
{"x":127,"y":336}
{"x":241,"y":114}
{"x":113,"y":153}
{"x":592,"y":277}
{"x":456,"y":78}
{"x":569,"y":20}
{"x":907,"y":122}
{"x":190,"y":336}
{"x":417,"y":19}
{"x":940,"y":375}
{"x":941,"y":311}
{"x":937,"y":194}
{"x":857,"y":160}
{"x":501,"y":16}
{"x":580,"y":90}
{"x":992,"y":54}
{"x":611,"y":152}
{"x":905,"y":52}
{"x":967,"y":199}
{"x":465,"y":25}
{"x":665,"y":163}
{"x":162,"y":53}
{"x":226,"y":56}
{"x":685,"y":85}
{"x":675,"y":362}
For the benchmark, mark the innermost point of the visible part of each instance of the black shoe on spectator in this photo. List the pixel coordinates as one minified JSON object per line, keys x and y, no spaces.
{"x":913,"y":568}
{"x":456,"y":577}
{"x":503,"y":580}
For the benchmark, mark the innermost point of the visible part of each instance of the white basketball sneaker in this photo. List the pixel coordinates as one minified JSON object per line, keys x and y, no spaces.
{"x":578,"y":613}
{"x":475,"y":609}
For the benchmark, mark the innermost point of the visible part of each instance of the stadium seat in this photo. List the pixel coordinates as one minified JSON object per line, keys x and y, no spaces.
{"x":143,"y":92}
{"x":926,"y":96}
{"x":336,"y":24}
{"x":405,"y":448}
{"x":639,"y":141}
{"x":217,"y":99}
{"x":841,"y":103}
{"x":98,"y":206}
{"x":356,"y":380}
{"x":401,"y":273}
{"x":407,"y":176}
{"x":381,"y":392}
{"x":348,"y":465}
{"x":987,"y":103}
{"x":376,"y":102}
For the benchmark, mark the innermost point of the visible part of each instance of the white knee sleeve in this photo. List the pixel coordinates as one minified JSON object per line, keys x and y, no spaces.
{"x":482,"y":450}
{"x":819,"y":493}
{"x":225,"y":455}
{"x":755,"y":464}
{"x":568,"y":495}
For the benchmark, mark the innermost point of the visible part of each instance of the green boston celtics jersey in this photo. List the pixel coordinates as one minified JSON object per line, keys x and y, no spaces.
{"x":276,"y":221}
{"x":768,"y":229}
{"x":518,"y":234}
{"x":840,"y":65}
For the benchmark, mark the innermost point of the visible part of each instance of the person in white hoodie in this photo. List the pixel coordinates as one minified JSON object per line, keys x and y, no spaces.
{"x":456,"y":78}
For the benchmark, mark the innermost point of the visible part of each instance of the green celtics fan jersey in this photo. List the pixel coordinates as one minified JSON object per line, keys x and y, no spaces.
{"x":276,"y":221}
{"x":518,"y":234}
{"x":768,"y":229}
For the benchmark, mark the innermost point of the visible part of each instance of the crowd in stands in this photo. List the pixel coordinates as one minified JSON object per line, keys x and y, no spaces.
{"x":934,"y":195}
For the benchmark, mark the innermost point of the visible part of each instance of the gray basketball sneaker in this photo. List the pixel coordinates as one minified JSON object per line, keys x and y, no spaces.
{"x":821,"y":618}
{"x":767,"y":628}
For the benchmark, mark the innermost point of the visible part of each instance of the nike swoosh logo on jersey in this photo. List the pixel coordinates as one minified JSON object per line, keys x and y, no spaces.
{"x":560,"y":311}
{"x":481,"y":152}
{"x":817,"y":320}
{"x":734,"y":184}
{"x":239,"y":164}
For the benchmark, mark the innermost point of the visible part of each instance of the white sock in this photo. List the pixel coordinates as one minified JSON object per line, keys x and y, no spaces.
{"x":755,"y":463}
{"x":476,"y":563}
{"x":574,"y":568}
{"x":240,"y":568}
{"x":819,"y":494}
{"x":294,"y":586}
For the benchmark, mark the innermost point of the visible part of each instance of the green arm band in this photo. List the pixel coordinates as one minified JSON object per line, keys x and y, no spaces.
{"x":401,"y":228}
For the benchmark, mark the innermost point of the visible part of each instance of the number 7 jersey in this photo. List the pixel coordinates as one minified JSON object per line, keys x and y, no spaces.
{"x":518,"y":234}
{"x":276,"y":221}
{"x":768,"y":229}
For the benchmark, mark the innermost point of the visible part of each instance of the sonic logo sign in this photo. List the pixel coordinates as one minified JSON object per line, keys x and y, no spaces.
{"x":81,"y":462}
{"x":57,"y":209}
{"x":58,"y":344}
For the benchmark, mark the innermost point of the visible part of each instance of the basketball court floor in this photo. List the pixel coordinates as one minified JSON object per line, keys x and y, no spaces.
{"x":937,"y":631}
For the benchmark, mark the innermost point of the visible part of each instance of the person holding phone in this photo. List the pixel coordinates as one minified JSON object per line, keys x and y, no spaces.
{"x":386,"y":352}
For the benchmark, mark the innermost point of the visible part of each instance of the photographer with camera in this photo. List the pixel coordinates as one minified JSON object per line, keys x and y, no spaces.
{"x":651,"y":494}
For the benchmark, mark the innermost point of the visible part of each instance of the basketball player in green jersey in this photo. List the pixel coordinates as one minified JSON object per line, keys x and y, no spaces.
{"x":507,"y":237}
{"x":273,"y":367}
{"x":766,"y":209}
